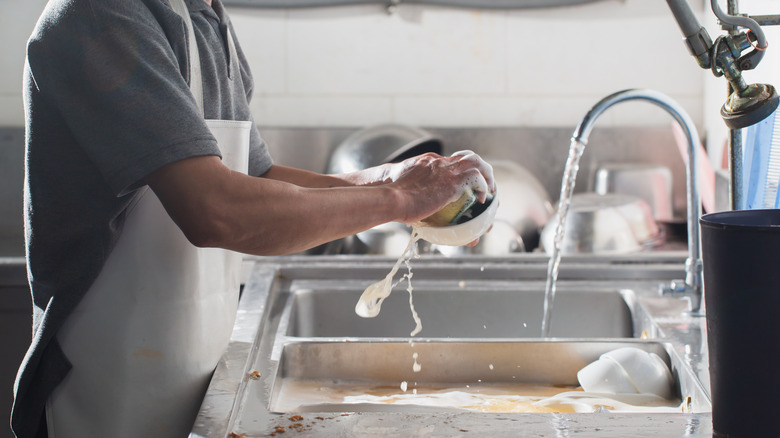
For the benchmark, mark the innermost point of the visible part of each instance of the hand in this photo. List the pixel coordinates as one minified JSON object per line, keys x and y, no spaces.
{"x":429,"y":182}
{"x":484,"y":168}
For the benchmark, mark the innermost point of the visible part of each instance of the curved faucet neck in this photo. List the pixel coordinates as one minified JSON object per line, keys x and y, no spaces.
{"x":692,"y":286}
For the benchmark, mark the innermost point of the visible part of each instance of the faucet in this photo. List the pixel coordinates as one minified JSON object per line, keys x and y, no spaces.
{"x":692,"y":286}
{"x":746,"y":104}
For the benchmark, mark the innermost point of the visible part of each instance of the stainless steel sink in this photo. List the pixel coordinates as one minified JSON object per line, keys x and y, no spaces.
{"x":297,"y":336}
{"x":315,"y":376}
{"x":481,"y":311}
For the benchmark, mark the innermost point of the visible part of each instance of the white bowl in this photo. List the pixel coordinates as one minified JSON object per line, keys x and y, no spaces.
{"x":628,"y":370}
{"x":647,"y":371}
{"x":463,"y":233}
{"x":502,"y":240}
{"x":605,"y":376}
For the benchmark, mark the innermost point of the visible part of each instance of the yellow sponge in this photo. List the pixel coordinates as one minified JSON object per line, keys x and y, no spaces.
{"x":452,"y":211}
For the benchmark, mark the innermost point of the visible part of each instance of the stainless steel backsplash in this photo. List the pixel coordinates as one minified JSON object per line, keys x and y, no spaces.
{"x":542,"y":151}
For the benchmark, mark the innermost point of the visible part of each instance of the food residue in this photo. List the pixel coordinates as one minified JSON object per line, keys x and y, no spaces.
{"x":480,"y":397}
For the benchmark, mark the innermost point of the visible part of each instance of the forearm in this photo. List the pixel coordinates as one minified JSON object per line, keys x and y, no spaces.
{"x":280,"y":218}
{"x":266,"y":216}
{"x":289,"y":210}
{"x":304,"y":178}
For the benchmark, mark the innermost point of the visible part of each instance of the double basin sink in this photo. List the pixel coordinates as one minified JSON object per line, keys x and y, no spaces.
{"x":298,"y":345}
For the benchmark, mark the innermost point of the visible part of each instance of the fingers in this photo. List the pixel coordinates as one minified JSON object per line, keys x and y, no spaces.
{"x":478,"y":184}
{"x":483,"y":166}
{"x":486,"y":183}
{"x":462,"y":153}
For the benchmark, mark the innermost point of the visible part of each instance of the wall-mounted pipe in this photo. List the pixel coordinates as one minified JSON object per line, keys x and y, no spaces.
{"x":472,"y":4}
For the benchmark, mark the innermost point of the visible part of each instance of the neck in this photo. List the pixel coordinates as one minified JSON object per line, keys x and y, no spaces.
{"x":208,"y":2}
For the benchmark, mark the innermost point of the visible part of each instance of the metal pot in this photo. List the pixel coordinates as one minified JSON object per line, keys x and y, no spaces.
{"x":604,"y":224}
{"x":386,"y":239}
{"x":651,"y":182}
{"x":381,"y":144}
{"x":525,"y":204}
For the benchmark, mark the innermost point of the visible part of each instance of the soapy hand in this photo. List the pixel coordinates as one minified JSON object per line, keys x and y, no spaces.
{"x":428,"y":182}
{"x":485,"y":169}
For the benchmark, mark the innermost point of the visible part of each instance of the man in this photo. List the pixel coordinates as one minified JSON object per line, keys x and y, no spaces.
{"x":131,"y":186}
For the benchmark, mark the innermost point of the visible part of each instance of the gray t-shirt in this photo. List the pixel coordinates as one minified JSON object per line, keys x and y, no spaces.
{"x":107,"y":102}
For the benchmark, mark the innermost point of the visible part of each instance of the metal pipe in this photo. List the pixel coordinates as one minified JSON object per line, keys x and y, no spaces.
{"x":735,"y":21}
{"x":766,"y":20}
{"x":697,"y":39}
{"x":474,"y":4}
{"x":691,"y":287}
{"x":736,"y":197}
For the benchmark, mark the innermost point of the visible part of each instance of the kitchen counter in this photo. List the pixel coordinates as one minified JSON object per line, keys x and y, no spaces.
{"x":237,"y":402}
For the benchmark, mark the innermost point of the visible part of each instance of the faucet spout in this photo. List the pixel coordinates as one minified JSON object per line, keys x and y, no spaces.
{"x":692,"y":286}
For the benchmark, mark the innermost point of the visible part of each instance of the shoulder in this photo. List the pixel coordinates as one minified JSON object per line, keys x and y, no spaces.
{"x":65,"y":20}
{"x":79,"y":33}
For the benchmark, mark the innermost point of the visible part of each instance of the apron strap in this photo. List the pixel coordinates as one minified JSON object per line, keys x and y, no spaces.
{"x":196,"y":79}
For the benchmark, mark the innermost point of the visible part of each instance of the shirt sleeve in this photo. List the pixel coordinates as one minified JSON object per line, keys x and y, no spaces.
{"x":260,"y":160}
{"x":119,"y":86}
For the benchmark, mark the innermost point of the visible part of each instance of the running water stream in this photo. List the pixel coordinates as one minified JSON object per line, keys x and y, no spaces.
{"x":567,"y":189}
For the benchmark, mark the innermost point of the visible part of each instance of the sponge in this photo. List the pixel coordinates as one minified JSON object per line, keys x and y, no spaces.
{"x":452,"y":212}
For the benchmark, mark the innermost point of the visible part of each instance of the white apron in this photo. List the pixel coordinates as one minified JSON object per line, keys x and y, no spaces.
{"x":146,"y":337}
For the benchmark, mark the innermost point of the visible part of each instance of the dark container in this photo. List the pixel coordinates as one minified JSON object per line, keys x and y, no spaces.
{"x":741,"y":257}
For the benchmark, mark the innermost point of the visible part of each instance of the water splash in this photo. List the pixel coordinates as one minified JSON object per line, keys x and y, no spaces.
{"x":410,"y":289}
{"x":567,"y":189}
{"x":370,"y":302}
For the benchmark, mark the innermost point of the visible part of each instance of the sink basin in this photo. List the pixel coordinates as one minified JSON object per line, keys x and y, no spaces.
{"x":513,"y":311}
{"x":298,"y":346}
{"x":365,"y":377}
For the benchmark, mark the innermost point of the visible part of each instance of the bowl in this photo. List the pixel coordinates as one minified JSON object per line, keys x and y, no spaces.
{"x":380,"y":144}
{"x":651,"y":182}
{"x":647,"y":371}
{"x":605,"y":376}
{"x":526,"y":205}
{"x":628,"y":370}
{"x":387,"y":239}
{"x":501,"y":240}
{"x":604,"y":224}
{"x":462,"y":233}
{"x":519,"y":219}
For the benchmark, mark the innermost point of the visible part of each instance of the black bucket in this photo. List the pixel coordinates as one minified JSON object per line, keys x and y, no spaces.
{"x":741,"y":257}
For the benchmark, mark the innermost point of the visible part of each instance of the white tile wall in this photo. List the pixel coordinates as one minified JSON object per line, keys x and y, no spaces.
{"x":434,"y":52}
{"x":261,"y":35}
{"x":597,"y":49}
{"x":437,"y":66}
{"x":16,"y":23}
